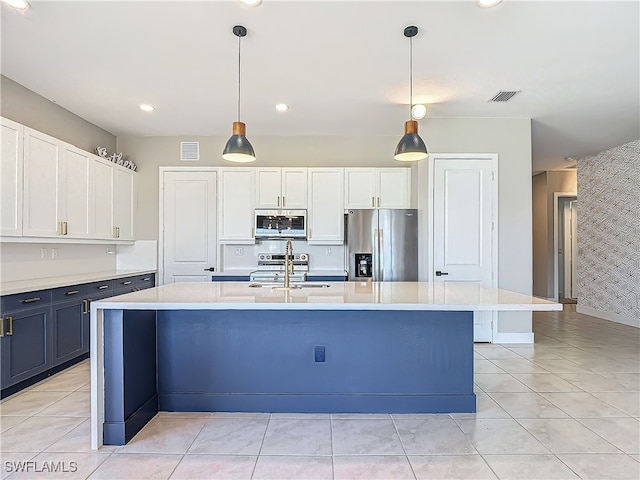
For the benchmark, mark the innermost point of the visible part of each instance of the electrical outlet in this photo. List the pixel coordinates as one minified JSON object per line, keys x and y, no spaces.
{"x":43,"y":254}
{"x":327,"y":251}
{"x":319,"y":353}
{"x":111,"y":251}
{"x":54,"y":253}
{"x":239,"y":251}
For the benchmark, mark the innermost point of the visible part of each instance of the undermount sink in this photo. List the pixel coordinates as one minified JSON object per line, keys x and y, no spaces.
{"x":293,"y":286}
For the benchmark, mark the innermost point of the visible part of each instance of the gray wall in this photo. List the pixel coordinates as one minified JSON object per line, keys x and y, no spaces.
{"x":24,"y":106}
{"x":609,"y":234}
{"x":544,"y":186}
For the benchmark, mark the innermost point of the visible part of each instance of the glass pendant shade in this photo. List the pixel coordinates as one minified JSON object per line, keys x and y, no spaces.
{"x":411,"y":147}
{"x":238,"y":148}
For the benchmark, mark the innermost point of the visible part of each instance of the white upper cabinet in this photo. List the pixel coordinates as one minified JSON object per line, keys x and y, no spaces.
{"x":236,"y":205}
{"x":76,"y":193}
{"x":103,"y":186}
{"x":326,"y":206}
{"x":42,"y":196}
{"x":125,"y":202}
{"x":377,"y":187}
{"x":281,"y":187}
{"x":11,"y":165}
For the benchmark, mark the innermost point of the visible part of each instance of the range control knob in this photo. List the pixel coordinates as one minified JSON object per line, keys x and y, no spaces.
{"x":303,"y":256}
{"x":260,"y":257}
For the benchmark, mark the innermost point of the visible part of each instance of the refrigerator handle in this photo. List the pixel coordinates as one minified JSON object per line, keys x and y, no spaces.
{"x":375,"y":271}
{"x":380,"y":255}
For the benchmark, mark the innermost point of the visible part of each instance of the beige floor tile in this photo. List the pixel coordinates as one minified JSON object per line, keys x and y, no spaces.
{"x":303,"y":416}
{"x":594,"y":382}
{"x":459,"y":467}
{"x":203,"y":415}
{"x":241,"y":415}
{"x":624,"y":433}
{"x":487,"y":366}
{"x":282,"y":467}
{"x":631,"y":381}
{"x":546,"y":382}
{"x":514,"y":365}
{"x":76,"y":404}
{"x":499,"y":382}
{"x":63,"y":465}
{"x":231,"y":436}
{"x":14,"y":462}
{"x":37,"y":433}
{"x":66,"y":381}
{"x":6,"y":422}
{"x":78,"y":440}
{"x":164,"y":435}
{"x":495,"y":352}
{"x":582,"y":405}
{"x":372,"y":467}
{"x":562,"y":365}
{"x":357,"y":437}
{"x":529,"y":467}
{"x":360,"y":416}
{"x":627,"y":402}
{"x":136,"y":466}
{"x":30,"y":402}
{"x":432,"y":435}
{"x":527,"y":405}
{"x":599,"y":467}
{"x":496,"y":436}
{"x":566,"y":435}
{"x":215,"y":467}
{"x":486,"y":407}
{"x":296,"y":436}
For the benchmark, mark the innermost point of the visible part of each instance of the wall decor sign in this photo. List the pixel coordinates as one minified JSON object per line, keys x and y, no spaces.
{"x":116,"y":158}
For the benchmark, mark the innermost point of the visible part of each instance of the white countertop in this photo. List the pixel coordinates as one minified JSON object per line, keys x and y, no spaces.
{"x":22,"y":286}
{"x":310,"y":273}
{"x":461,"y":296}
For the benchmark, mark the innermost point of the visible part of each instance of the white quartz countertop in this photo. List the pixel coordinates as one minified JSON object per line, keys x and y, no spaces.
{"x":461,"y":296}
{"x":22,"y":286}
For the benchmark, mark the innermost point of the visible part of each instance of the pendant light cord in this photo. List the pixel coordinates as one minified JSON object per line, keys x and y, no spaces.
{"x":238,"y":78}
{"x":411,"y":77}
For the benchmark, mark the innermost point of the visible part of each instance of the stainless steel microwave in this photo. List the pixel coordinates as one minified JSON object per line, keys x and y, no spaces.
{"x":275,"y":224}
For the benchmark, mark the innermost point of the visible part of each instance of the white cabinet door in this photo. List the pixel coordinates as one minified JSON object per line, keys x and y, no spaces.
{"x":294,"y":188}
{"x":41,"y":197}
{"x":236,"y":205}
{"x":75,"y":189}
{"x":394,"y":187}
{"x":103,"y":191}
{"x":360,"y":187}
{"x":189,"y":226}
{"x":326,"y":206}
{"x":125,"y":201}
{"x":268,"y":187}
{"x":11,"y":159}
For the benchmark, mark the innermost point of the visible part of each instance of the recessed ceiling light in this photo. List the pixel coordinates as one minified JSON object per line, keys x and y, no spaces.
{"x":17,"y":4}
{"x":147,"y":108}
{"x":251,"y":3}
{"x":418,"y":111}
{"x":282,"y":107}
{"x":488,"y":3}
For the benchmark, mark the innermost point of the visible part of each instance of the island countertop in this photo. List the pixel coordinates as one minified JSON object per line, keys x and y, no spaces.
{"x":451,"y":296}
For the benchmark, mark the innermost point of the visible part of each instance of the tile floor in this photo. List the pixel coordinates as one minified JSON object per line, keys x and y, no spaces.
{"x":566,"y":407}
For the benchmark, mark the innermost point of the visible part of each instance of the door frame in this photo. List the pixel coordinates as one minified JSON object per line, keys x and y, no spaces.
{"x":556,"y":241}
{"x":493,"y":157}
{"x":160,"y":252}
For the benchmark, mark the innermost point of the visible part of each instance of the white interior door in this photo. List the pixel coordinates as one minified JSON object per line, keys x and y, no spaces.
{"x":189,"y":226}
{"x":463,"y":216}
{"x":570,"y":248}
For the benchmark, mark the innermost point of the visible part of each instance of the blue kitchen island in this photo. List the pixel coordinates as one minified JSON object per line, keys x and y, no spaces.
{"x":347,"y":347}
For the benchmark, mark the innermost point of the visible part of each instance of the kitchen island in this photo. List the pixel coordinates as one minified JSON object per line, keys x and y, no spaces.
{"x":351,"y":347}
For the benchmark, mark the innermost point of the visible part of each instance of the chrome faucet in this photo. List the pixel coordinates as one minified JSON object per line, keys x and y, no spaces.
{"x":288,"y":263}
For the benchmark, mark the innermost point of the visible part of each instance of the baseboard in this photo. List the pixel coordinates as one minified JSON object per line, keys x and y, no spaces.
{"x":513,"y":337}
{"x":613,"y":317}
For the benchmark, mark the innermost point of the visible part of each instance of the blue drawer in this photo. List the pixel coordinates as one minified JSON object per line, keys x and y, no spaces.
{"x":100,"y":288}
{"x":63,"y":294}
{"x":146,"y":281}
{"x":22,"y":301}
{"x":124,"y":284}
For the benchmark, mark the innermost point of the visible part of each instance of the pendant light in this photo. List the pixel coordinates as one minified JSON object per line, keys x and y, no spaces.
{"x":411,"y":147}
{"x":238,"y":148}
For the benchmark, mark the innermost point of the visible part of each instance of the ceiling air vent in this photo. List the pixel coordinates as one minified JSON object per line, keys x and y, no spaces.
{"x":189,"y":151}
{"x":503,"y":96}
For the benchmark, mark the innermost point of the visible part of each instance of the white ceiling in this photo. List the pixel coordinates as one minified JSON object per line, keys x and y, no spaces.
{"x":343,"y":67}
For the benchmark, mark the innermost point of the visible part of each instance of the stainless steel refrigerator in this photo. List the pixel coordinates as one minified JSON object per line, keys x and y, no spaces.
{"x":382,"y":245}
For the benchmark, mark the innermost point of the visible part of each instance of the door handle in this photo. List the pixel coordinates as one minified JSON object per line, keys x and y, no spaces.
{"x":85,"y":303}
{"x":210,"y":269}
{"x":440,"y":274}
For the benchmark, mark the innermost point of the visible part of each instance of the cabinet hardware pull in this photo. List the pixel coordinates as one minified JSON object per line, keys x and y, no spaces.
{"x":72,"y":292}
{"x":102,"y":287}
{"x":127,"y":283}
{"x":85,"y":303}
{"x":279,"y":200}
{"x":210,"y":269}
{"x":118,"y":232}
{"x":146,"y":279}
{"x":251,"y":232}
{"x":283,"y":200}
{"x":66,"y":228}
{"x":115,"y":232}
{"x":60,"y":228}
{"x":30,"y":300}
{"x":373,"y":201}
{"x":1,"y":327}
{"x":10,"y":331}
{"x":378,"y":202}
{"x":439,"y":273}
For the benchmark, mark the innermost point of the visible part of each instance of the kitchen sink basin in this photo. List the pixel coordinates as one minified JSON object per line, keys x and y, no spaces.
{"x":293,"y":286}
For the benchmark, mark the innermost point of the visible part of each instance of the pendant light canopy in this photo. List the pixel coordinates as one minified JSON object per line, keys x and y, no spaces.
{"x":411,"y":147}
{"x":238,"y":148}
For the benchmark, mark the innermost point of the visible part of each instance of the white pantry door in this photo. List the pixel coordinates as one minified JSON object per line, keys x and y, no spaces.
{"x":463,"y":217}
{"x":189,"y":221}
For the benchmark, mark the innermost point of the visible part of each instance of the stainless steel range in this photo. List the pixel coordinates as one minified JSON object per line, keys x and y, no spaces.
{"x":271,"y":268}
